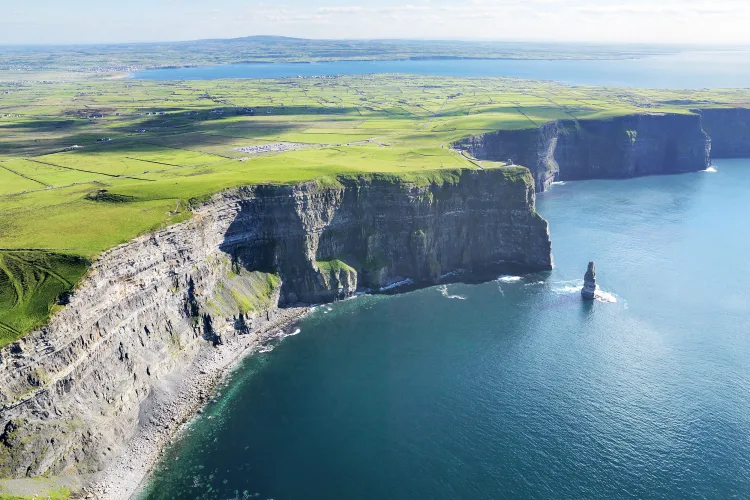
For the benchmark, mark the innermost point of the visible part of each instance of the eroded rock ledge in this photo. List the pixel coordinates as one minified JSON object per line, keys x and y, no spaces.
{"x":74,"y":393}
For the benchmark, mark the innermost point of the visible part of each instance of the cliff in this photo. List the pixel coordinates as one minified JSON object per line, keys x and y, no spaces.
{"x":729,"y":129}
{"x":325,"y":243}
{"x":75,"y":392}
{"x":621,"y":147}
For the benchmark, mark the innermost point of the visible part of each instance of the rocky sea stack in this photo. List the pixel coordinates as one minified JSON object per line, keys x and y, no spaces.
{"x":589,"y":283}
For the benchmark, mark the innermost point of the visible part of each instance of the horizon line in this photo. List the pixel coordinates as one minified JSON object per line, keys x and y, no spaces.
{"x":371,"y":39}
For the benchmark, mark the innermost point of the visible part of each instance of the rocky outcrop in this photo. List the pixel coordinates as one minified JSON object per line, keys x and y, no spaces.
{"x":588,"y":292}
{"x":729,"y":129}
{"x":620,"y":147}
{"x":72,"y":393}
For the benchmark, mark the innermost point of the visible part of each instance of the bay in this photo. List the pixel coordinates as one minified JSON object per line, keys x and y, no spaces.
{"x":684,"y":70}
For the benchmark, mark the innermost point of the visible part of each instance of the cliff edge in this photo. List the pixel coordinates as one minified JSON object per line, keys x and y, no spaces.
{"x":729,"y":129}
{"x":620,"y":147}
{"x":76,"y":392}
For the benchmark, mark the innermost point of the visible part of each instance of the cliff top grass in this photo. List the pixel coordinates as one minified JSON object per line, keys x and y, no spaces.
{"x":31,"y":285}
{"x":87,"y":165}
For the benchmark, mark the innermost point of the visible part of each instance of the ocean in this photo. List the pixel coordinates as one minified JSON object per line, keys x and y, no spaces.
{"x":515,"y":388}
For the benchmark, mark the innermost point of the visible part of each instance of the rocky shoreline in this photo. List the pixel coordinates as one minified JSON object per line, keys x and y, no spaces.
{"x":157,"y":321}
{"x":175,"y":404}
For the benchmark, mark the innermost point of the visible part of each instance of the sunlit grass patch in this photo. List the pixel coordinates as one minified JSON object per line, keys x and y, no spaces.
{"x":31,"y":283}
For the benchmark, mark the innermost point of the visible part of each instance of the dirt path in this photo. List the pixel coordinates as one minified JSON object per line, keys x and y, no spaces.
{"x":434,"y":116}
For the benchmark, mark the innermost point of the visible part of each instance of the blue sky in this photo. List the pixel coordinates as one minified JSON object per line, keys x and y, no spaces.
{"x":89,"y":21}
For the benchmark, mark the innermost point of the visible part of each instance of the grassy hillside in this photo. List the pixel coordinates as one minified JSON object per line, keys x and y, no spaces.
{"x":86,"y":165}
{"x":31,"y":285}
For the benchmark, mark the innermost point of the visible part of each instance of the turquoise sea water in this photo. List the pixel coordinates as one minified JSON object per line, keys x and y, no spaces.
{"x":514,"y":388}
{"x":709,"y":69}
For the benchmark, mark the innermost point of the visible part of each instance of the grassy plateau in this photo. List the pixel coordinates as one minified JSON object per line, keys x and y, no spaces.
{"x":88,"y":164}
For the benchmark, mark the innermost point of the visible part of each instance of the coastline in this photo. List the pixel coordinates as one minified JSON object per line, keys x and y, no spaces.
{"x":172,"y":406}
{"x":178,"y":399}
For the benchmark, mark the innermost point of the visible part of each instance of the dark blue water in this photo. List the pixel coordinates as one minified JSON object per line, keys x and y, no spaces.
{"x":515,"y":388}
{"x":727,"y":69}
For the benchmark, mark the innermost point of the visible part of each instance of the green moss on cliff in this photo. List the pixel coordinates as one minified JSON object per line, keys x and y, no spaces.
{"x":244,"y":291}
{"x":337,"y":273}
{"x":334,"y":266}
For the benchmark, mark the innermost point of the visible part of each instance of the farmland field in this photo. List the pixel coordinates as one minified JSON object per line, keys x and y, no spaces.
{"x":157,"y":147}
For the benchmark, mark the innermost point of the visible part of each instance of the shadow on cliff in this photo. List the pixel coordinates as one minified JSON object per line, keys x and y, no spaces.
{"x":371,"y":233}
{"x":268,"y":236}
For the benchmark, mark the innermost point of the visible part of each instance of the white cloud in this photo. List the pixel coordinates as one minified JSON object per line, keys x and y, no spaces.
{"x":666,"y":7}
{"x":345,"y":9}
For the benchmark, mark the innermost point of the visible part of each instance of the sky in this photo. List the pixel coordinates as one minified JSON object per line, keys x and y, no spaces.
{"x":605,"y":21}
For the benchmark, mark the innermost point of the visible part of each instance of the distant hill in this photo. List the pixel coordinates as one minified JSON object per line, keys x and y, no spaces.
{"x":264,"y":48}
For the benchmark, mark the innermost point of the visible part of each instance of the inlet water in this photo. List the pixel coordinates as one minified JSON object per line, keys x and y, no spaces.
{"x":690,"y":70}
{"x":514,"y":388}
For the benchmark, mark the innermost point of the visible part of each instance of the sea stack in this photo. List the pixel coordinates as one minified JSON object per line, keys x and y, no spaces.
{"x":589,"y":283}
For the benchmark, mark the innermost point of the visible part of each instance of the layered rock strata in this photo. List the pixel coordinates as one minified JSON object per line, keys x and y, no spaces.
{"x":621,"y":147}
{"x":729,"y":129}
{"x":73,"y":393}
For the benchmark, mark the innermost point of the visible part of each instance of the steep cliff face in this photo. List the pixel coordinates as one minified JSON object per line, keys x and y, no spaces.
{"x":74,"y":392}
{"x":366,"y":233}
{"x":627,"y":146}
{"x":729,"y":130}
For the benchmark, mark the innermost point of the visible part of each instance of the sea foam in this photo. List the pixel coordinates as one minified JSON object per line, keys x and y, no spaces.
{"x":508,"y":279}
{"x":444,"y":291}
{"x":575,"y":286}
{"x":407,"y":281}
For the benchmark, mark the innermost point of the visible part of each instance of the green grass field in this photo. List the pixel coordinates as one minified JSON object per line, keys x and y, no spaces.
{"x":155,"y":146}
{"x":31,"y":283}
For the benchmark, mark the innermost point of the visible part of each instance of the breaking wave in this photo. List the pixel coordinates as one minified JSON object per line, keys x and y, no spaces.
{"x":452,"y":274}
{"x":444,"y":292}
{"x":508,"y":279}
{"x":575,"y":286}
{"x":407,"y":281}
{"x":567,"y":289}
{"x":275,"y":338}
{"x":603,"y":296}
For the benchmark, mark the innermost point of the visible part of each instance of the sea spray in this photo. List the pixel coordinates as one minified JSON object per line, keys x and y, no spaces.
{"x":444,"y":292}
{"x":508,"y":279}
